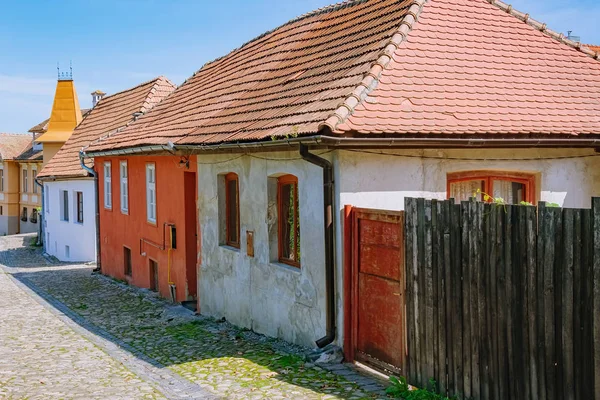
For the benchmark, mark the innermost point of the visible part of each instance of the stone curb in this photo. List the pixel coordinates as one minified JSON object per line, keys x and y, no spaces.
{"x":170,"y":384}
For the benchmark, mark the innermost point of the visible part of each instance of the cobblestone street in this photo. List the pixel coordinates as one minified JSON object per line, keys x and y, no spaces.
{"x":68,"y":333}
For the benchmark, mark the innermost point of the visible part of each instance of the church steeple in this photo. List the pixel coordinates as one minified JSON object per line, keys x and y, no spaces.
{"x":66,"y":113}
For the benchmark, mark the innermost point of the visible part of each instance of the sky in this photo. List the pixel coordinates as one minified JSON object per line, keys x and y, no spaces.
{"x":117,"y":44}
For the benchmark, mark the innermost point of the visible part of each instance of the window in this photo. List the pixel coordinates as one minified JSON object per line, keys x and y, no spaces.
{"x":2,"y":180}
{"x":25,"y":187}
{"x":67,"y":252}
{"x":289,"y":220}
{"x":124,"y":188}
{"x":34,"y":216}
{"x":64,"y":212}
{"x":127,"y":261}
{"x":107,"y":186}
{"x":47,"y":193}
{"x":33,"y":176}
{"x":151,"y":193}
{"x":79,"y":196}
{"x":232,"y":210}
{"x":512,"y":187}
{"x":24,"y":214}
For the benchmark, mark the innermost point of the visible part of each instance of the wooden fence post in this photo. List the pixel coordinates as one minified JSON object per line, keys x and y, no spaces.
{"x":596,"y":294}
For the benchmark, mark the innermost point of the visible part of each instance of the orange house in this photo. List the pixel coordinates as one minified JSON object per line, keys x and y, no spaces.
{"x":148,"y":223}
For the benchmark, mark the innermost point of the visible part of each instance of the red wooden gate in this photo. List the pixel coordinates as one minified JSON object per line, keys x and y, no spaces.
{"x":377,"y":289}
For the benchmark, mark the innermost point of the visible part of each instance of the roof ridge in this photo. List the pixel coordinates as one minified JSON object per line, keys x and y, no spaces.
{"x":542,"y":27}
{"x":371,"y":78}
{"x":145,"y":105}
{"x":135,"y":87}
{"x":14,"y":134}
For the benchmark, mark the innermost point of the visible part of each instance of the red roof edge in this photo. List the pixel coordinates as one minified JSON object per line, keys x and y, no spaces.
{"x":372,"y":77}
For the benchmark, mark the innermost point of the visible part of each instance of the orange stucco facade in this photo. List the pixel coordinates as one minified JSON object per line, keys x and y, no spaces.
{"x":176,"y":194}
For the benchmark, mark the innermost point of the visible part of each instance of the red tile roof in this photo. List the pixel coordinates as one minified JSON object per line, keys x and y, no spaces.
{"x":110,"y":114}
{"x":366,"y":66}
{"x":593,"y":48}
{"x":30,"y":154}
{"x":13,"y":144}
{"x":471,"y":68}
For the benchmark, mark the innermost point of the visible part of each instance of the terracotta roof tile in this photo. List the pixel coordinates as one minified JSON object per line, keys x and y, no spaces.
{"x":111,"y":113}
{"x":454,"y":76}
{"x":13,"y":144}
{"x":31,"y":154}
{"x":386,"y":67}
{"x":286,"y":81}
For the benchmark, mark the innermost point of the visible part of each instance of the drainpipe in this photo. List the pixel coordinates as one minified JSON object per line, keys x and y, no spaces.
{"x":97,"y":194}
{"x":40,"y":240}
{"x":329,"y":250}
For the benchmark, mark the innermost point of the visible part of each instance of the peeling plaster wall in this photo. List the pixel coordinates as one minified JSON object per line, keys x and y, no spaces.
{"x":258,"y":292}
{"x":382,"y":182}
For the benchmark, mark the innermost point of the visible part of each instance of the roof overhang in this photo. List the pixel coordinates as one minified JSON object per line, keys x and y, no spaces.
{"x":54,"y":137}
{"x":333,"y":142}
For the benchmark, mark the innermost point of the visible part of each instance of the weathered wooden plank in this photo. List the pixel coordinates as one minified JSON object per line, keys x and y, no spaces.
{"x":548,"y":231}
{"x":511,"y":282}
{"x":596,"y":295}
{"x":558,"y":316}
{"x":485,"y":303}
{"x":531,"y":243}
{"x":577,"y":305}
{"x":443,"y":261}
{"x":585,"y":387}
{"x":476,"y":254}
{"x":466,"y":216}
{"x":456,"y":289}
{"x":411,"y":269}
{"x":435,"y":282}
{"x":429,"y":289}
{"x":540,"y":295}
{"x":566,"y":361}
{"x":520,"y":270}
{"x":421,"y":296}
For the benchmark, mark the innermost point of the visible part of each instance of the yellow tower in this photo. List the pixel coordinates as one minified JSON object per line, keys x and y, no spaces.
{"x":65,"y":116}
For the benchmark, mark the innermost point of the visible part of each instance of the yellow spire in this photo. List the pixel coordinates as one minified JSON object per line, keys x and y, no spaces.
{"x":66,"y":113}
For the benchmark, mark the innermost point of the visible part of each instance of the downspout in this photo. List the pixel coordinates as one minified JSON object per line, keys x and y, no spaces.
{"x":329,"y":243}
{"x":97,"y":194}
{"x":40,"y":240}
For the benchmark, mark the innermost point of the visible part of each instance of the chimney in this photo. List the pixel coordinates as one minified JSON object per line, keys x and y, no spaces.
{"x":573,"y":37}
{"x":97,"y":96}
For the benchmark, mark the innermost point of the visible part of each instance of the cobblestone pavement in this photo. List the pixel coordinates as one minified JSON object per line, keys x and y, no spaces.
{"x":212,"y":356}
{"x":41,"y":357}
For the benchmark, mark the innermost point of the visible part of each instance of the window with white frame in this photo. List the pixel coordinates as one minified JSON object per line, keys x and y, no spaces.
{"x":124,"y":187}
{"x":33,"y":176}
{"x":47,"y":194}
{"x":25,"y":188}
{"x":151,"y":192}
{"x":64,"y":211}
{"x":107,"y":185}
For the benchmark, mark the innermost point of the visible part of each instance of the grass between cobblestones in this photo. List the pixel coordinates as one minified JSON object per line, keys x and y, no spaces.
{"x":226,"y":360}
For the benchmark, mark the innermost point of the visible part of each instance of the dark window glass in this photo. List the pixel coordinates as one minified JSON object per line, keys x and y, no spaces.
{"x":127,"y":260}
{"x":232,"y":198}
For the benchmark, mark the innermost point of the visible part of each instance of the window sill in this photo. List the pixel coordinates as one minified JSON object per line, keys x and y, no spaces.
{"x":125,"y":212}
{"x":230,"y":248}
{"x":285,"y":267}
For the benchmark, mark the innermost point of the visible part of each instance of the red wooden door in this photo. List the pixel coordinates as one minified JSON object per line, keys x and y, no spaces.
{"x":378,"y":289}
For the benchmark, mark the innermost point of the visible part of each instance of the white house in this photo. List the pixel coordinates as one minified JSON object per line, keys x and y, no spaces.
{"x":365,"y":103}
{"x":69,"y":207}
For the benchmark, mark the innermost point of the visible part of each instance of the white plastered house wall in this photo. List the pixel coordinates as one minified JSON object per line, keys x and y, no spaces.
{"x":70,"y":240}
{"x":278,"y":300}
{"x":259,"y":292}
{"x":367,"y":180}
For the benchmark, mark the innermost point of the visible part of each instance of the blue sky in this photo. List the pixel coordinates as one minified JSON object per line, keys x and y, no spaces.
{"x":116,"y":44}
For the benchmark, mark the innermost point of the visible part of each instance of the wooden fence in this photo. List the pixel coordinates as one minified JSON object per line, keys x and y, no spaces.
{"x":503,"y":302}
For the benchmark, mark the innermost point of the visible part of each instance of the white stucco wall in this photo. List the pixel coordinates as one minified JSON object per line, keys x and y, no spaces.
{"x":257,"y":292}
{"x":382,"y":182}
{"x":81,"y":238}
